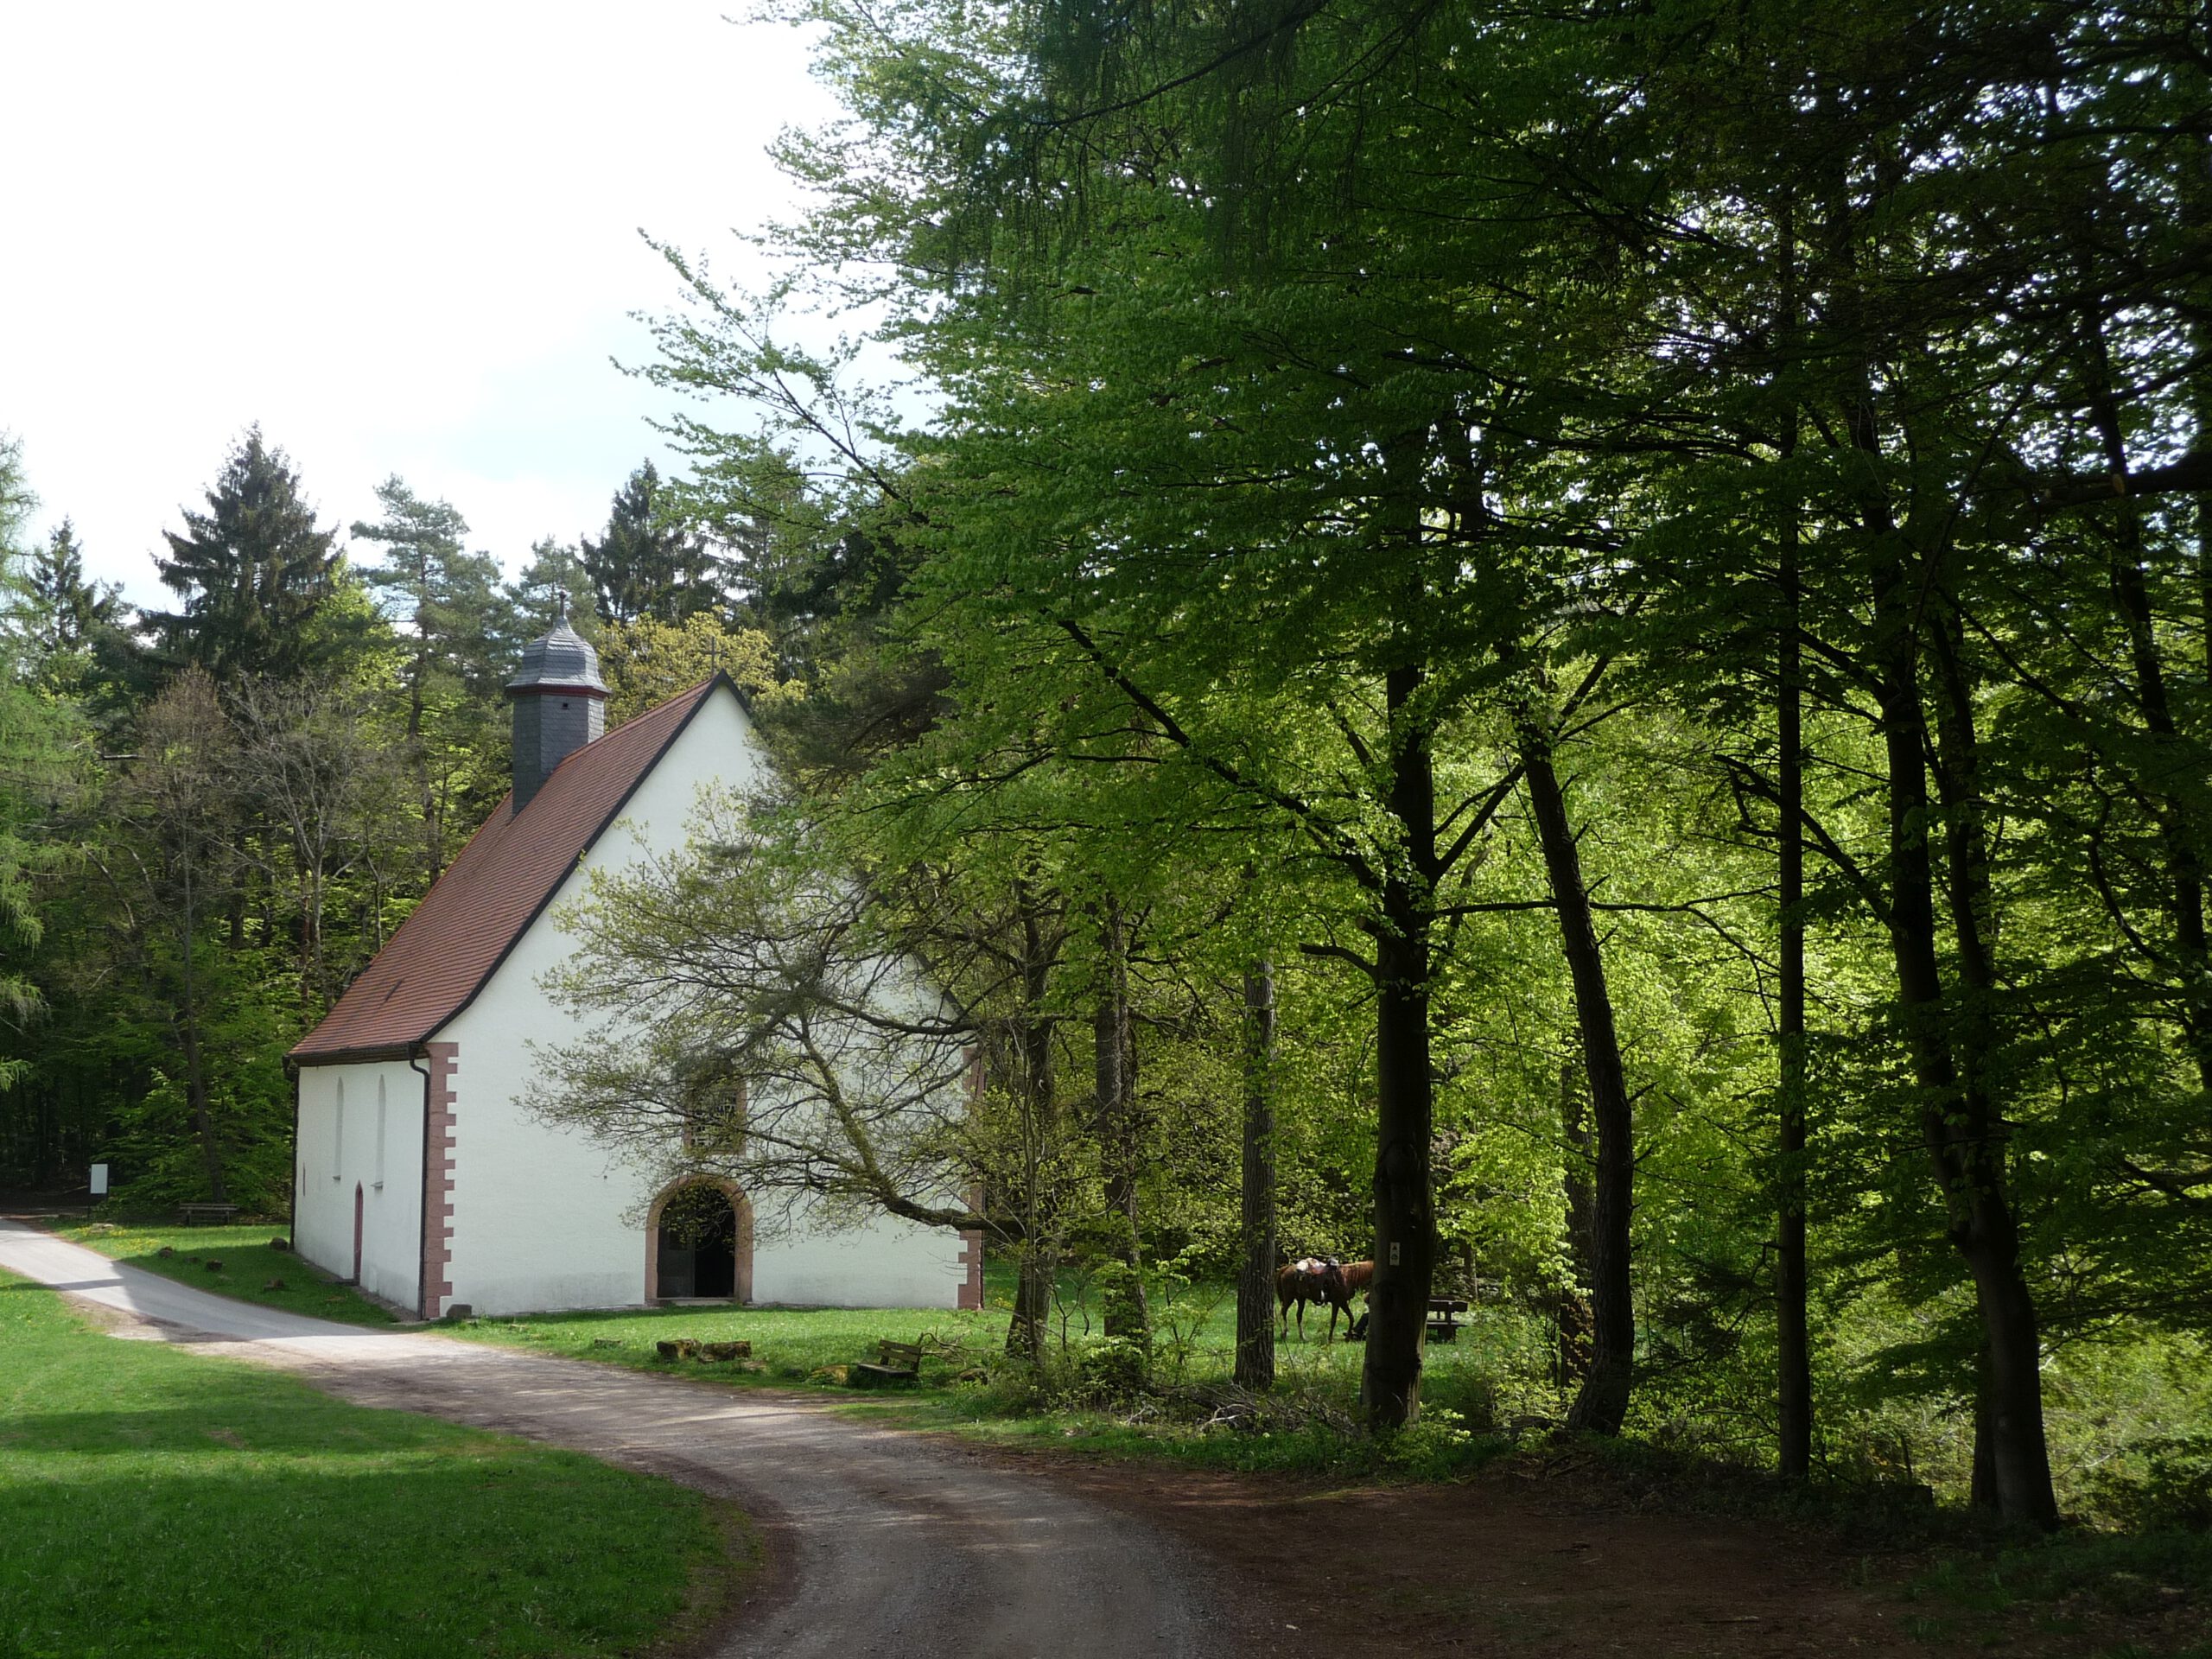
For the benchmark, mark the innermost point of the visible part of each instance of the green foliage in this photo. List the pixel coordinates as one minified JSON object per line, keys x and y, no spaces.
{"x":1326,"y":398}
{"x":252,"y":572}
{"x":553,"y":585}
{"x":447,"y":597}
{"x":38,"y":769}
{"x":649,"y":564}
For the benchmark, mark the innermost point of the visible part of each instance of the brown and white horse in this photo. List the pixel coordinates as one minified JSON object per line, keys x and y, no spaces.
{"x":1324,"y":1281}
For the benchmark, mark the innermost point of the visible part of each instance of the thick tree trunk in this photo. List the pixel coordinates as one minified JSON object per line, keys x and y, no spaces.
{"x":1120,"y":1132}
{"x":1576,"y":1324}
{"x":1255,"y":1275}
{"x":1602,"y":1403}
{"x":1793,"y":1367}
{"x":1960,"y":1127}
{"x":1034,"y":1283}
{"x":1405,"y":1220}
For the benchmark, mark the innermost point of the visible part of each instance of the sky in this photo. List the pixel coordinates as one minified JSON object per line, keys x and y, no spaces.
{"x":403,"y":237}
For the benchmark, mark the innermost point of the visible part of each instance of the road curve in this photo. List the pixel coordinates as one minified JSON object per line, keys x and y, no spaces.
{"x":881,"y":1543}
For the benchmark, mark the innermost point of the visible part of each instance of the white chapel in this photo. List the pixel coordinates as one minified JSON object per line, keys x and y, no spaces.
{"x":420,"y":1175}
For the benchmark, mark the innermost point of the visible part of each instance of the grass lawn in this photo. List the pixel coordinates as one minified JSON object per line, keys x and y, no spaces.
{"x":155,"y":1501}
{"x":248,"y":1264}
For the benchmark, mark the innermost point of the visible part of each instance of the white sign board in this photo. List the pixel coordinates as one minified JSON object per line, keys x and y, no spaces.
{"x":100,"y":1180}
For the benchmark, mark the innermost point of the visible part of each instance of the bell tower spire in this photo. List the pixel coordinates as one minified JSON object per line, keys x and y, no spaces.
{"x":560,"y":704}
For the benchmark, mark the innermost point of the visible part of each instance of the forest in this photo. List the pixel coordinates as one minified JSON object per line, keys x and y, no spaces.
{"x":1567,"y":649}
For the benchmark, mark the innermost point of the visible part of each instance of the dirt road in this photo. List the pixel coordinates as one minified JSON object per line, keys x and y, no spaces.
{"x":879,"y":1542}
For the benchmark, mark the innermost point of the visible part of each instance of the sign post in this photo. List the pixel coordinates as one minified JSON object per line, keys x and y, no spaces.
{"x":99,"y":1187}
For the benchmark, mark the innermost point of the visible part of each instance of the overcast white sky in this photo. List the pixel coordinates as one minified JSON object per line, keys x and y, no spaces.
{"x":402,"y":237}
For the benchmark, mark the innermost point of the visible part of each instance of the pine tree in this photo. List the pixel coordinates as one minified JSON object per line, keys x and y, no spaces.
{"x":78,"y":644}
{"x":448,"y":597}
{"x":451,"y":602}
{"x":554,"y":584}
{"x":647,"y":564}
{"x":69,"y":612}
{"x":252,"y":571}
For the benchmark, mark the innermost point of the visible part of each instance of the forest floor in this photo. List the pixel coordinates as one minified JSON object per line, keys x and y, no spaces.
{"x":1552,"y":1553}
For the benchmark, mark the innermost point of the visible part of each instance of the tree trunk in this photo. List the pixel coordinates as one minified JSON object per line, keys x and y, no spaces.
{"x":1602,"y":1404}
{"x":195,"y":1068}
{"x":1405,"y":1221}
{"x":1793,"y":1343}
{"x":1255,"y":1277}
{"x":1576,"y":1324}
{"x":1120,"y":1132}
{"x":1959,"y":1125}
{"x":1033,"y":1300}
{"x":418,"y":752}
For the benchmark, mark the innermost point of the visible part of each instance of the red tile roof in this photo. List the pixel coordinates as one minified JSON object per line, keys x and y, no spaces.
{"x":433,"y":966}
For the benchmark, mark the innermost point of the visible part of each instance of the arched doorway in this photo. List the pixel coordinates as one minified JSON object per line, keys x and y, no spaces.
{"x":699,"y":1244}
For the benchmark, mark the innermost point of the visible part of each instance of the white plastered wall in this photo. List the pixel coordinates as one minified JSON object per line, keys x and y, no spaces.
{"x":880,"y":1261}
{"x":361,"y":1125}
{"x":543,"y":1217}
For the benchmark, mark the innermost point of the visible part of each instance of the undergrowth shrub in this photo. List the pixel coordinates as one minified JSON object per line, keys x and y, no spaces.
{"x":2163,"y":1484}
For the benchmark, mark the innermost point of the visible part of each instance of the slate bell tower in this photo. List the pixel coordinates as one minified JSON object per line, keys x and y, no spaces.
{"x":560,"y":705}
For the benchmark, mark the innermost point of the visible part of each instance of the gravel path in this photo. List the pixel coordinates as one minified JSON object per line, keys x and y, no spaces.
{"x":879,"y":1542}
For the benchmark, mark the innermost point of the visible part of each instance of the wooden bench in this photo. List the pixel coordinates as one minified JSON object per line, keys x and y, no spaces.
{"x":194,"y":1214}
{"x":1444,"y":1317}
{"x":902,"y":1362}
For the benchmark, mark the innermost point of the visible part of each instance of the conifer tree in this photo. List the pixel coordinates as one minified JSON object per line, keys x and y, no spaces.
{"x":448,"y":597}
{"x":647,"y":564}
{"x":450,"y":601}
{"x":251,"y":572}
{"x":553,"y":585}
{"x":70,"y":613}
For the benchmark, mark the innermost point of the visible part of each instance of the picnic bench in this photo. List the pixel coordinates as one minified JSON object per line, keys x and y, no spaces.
{"x":901,"y":1363}
{"x":194,"y":1214}
{"x":1444,"y":1317}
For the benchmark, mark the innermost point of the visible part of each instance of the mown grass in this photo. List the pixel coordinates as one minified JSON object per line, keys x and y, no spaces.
{"x":156,"y":1502}
{"x":250,"y":1268}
